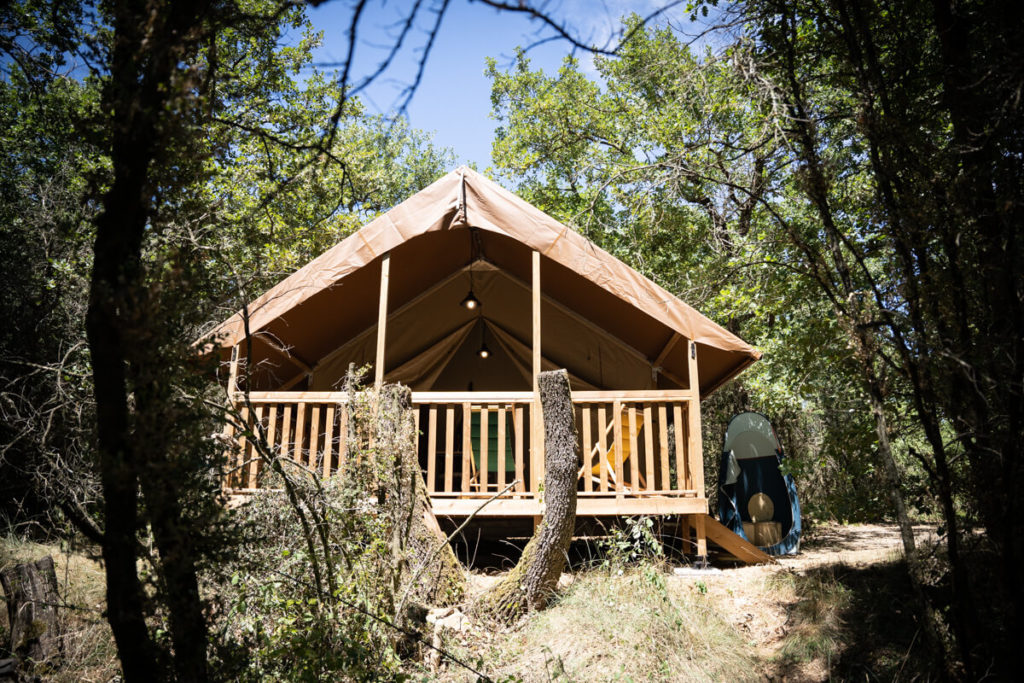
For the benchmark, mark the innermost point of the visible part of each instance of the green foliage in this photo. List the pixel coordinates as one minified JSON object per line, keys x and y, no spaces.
{"x":632,"y":543}
{"x":278,"y":624}
{"x":47,"y":170}
{"x":234,"y":182}
{"x":671,"y":162}
{"x":318,"y":589}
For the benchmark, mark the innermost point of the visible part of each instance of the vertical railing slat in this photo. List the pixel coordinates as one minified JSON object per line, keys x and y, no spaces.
{"x":243,"y":447}
{"x":617,"y":432}
{"x":695,"y":451}
{"x":677,"y":416}
{"x":328,"y":441}
{"x":431,"y":437}
{"x":649,"y":446}
{"x":484,"y":462}
{"x":300,"y":426}
{"x":517,"y":426}
{"x":449,"y":447}
{"x":602,"y":440}
{"x":229,"y":435}
{"x":666,"y":482}
{"x":286,"y":432}
{"x":501,"y":448}
{"x":588,"y":456}
{"x":313,"y":458}
{"x":467,"y":444}
{"x":634,"y":455}
{"x":254,"y":460}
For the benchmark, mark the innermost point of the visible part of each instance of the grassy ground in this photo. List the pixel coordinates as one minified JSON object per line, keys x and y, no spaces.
{"x":88,"y":647}
{"x":609,"y":626}
{"x":839,"y":611}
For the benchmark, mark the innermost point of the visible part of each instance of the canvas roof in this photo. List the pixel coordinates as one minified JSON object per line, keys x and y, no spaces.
{"x":600,"y":318}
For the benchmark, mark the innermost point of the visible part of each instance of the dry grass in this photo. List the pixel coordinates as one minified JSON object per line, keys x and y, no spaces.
{"x":610,"y":626}
{"x":816,"y":604}
{"x":88,"y":647}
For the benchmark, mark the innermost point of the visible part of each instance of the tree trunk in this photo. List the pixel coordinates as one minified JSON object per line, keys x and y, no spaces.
{"x":434,"y":576}
{"x":32,"y":600}
{"x":534,"y":579}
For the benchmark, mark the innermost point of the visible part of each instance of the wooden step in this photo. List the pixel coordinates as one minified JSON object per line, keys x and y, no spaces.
{"x":743,"y":550}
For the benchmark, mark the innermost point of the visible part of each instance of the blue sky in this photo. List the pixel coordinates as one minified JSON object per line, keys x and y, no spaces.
{"x":453,"y":99}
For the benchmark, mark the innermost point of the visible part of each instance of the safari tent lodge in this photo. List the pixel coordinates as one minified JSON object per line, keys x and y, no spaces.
{"x":464,"y":292}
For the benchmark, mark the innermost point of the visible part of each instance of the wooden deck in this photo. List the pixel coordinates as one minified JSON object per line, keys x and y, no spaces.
{"x":640,"y":451}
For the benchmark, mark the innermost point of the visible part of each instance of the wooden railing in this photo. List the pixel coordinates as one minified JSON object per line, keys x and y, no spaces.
{"x":307,"y":427}
{"x":639,"y":443}
{"x":632,"y":444}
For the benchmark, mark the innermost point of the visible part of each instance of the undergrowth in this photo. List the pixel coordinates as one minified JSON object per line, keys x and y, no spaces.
{"x":817,"y":604}
{"x":623,"y":626}
{"x":87,"y":646}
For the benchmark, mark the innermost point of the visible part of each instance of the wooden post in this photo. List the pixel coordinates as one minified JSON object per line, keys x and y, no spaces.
{"x":382,"y":321}
{"x":536,"y":424}
{"x":229,"y":428}
{"x":233,"y":374}
{"x":694,"y":438}
{"x":702,"y":539}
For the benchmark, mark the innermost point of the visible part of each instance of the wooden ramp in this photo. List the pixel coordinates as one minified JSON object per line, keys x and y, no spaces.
{"x":743,"y":550}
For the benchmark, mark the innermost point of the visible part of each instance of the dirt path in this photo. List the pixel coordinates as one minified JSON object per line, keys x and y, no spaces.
{"x":762,"y":601}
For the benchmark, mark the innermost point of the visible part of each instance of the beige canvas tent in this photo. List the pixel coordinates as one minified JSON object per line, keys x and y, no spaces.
{"x":391,"y":296}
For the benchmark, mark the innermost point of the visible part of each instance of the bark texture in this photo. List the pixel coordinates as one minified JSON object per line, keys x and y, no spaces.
{"x":530,"y":585}
{"x":428,"y":561}
{"x":31,"y":596}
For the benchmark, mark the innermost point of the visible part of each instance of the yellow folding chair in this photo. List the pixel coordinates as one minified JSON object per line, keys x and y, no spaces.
{"x":613,"y":449}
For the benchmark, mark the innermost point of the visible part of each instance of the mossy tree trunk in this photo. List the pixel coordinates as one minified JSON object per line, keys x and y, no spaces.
{"x":530,"y":585}
{"x":32,"y":600}
{"x":416,"y":535}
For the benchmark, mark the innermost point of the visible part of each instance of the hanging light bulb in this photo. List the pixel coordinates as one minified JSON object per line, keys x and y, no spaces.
{"x":470,"y":303}
{"x":483,"y":351}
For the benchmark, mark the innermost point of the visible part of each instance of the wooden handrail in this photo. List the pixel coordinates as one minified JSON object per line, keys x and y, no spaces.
{"x":474,"y":397}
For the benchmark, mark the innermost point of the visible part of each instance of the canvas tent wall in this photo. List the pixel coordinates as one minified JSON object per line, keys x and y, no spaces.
{"x":610,"y":326}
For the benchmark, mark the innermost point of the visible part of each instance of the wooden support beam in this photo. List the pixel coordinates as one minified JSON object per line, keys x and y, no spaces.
{"x":281,"y":350}
{"x":668,"y":349}
{"x":536,"y":318}
{"x":695,"y":441}
{"x":382,"y":321}
{"x":233,"y":373}
{"x":702,"y":538}
{"x":536,"y":424}
{"x":743,"y":550}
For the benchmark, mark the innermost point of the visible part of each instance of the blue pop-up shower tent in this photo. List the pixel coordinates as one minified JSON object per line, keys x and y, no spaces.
{"x":751,"y":459}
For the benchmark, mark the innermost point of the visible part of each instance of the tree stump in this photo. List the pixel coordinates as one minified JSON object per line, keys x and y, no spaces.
{"x":417,"y":537}
{"x":32,"y":600}
{"x":530,"y":585}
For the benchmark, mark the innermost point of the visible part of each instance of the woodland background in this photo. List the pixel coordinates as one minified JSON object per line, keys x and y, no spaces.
{"x":839,"y":183}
